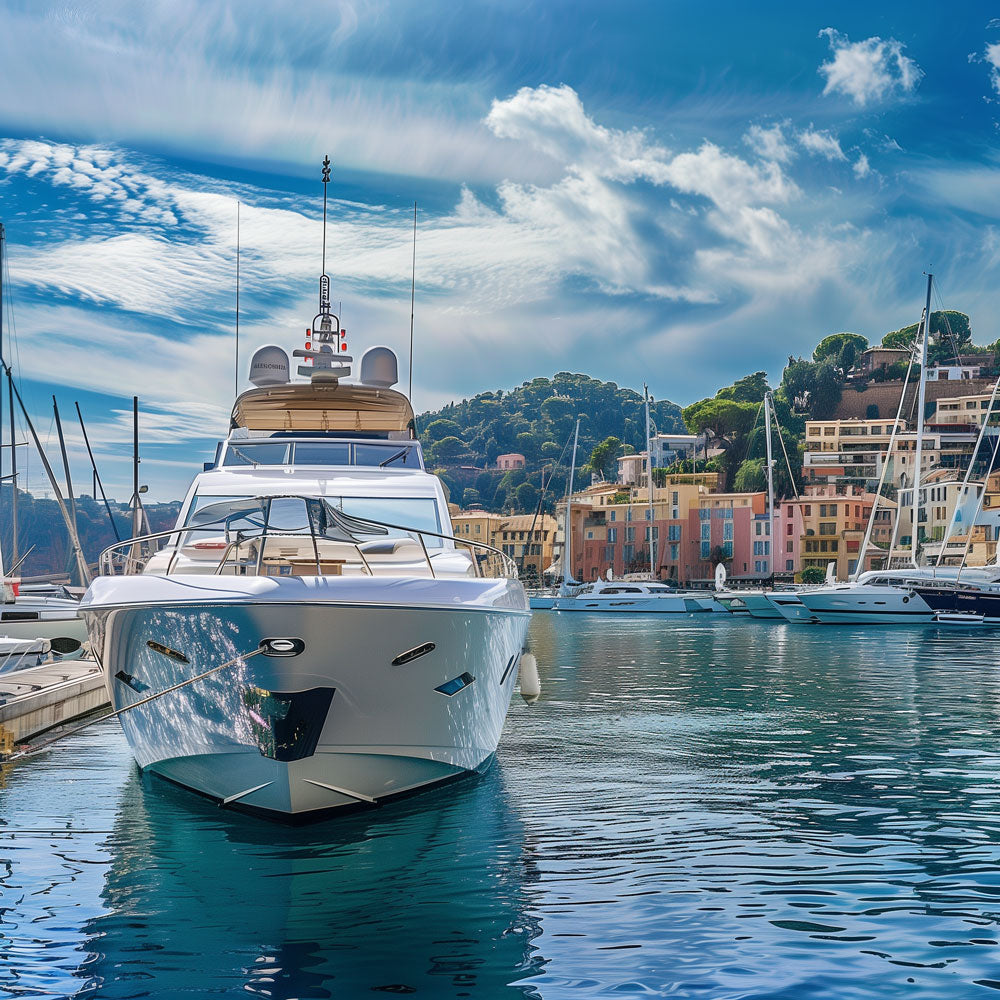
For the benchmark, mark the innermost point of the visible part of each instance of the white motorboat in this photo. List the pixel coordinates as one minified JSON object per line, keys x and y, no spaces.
{"x":632,"y":597}
{"x":869,"y":600}
{"x":35,"y":616}
{"x":311,"y":636}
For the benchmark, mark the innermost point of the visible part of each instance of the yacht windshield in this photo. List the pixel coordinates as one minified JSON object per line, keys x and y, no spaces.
{"x":247,"y":514}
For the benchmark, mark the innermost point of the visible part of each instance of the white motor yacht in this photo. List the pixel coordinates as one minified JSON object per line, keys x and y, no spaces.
{"x":311,"y":636}
{"x":632,"y":597}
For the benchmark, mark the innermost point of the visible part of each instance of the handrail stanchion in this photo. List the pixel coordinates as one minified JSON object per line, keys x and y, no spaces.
{"x":427,"y":558}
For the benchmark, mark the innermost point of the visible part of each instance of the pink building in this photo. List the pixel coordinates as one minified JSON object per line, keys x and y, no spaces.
{"x":511,"y":461}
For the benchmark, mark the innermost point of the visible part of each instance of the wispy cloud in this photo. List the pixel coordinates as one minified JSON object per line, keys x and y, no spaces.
{"x":868,"y":71}
{"x":820,"y":142}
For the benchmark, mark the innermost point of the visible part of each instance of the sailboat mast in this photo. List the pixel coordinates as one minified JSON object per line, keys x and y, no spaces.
{"x":768,"y":412}
{"x":921,"y":393}
{"x":567,"y":561}
{"x":649,"y":469}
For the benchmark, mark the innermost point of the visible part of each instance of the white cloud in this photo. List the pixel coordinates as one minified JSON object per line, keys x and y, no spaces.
{"x":770,"y":143}
{"x":862,"y":168}
{"x":552,"y":120}
{"x":821,"y":143}
{"x":727,"y":180}
{"x":870,"y":70}
{"x":992,"y":56}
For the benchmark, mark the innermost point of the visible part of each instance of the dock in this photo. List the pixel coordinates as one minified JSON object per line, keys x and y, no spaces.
{"x":38,"y":698}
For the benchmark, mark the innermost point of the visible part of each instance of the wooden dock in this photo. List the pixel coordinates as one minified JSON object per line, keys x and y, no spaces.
{"x":38,"y":698}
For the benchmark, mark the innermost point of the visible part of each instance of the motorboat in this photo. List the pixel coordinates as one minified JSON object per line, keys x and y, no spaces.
{"x":311,"y":636}
{"x":875,"y":598}
{"x":44,"y":617}
{"x":632,"y":597}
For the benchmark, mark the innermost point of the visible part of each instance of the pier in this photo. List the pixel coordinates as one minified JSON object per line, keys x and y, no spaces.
{"x":38,"y":698}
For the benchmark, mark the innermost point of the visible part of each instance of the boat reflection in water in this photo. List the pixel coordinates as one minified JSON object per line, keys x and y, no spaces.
{"x":424,"y":897}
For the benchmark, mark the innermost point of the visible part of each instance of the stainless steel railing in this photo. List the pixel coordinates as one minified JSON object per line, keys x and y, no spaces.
{"x":276,"y":552}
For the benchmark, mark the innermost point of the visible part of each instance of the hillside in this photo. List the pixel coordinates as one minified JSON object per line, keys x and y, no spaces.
{"x":462,"y":440}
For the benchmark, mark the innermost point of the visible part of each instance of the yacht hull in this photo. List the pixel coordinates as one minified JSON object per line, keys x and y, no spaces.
{"x":789,"y":606}
{"x":866,"y":604}
{"x":398,"y":686}
{"x":624,"y":604}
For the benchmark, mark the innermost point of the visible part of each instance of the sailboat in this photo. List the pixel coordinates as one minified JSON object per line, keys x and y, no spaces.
{"x":32,"y":625}
{"x":884,"y":597}
{"x":756,"y":603}
{"x":633,"y":595}
{"x":545,"y":601}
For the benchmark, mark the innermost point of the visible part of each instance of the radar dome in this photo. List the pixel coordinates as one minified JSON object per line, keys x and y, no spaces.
{"x":269,"y":366}
{"x":379,"y":367}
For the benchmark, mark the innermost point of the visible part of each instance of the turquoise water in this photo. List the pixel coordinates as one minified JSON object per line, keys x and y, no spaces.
{"x":722,"y":809}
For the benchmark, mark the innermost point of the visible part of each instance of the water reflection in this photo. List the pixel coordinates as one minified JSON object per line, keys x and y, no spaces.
{"x":714,"y":810}
{"x":425,"y":896}
{"x":764,"y":811}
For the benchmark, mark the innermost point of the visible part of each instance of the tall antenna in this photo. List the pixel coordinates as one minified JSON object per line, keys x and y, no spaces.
{"x":326,"y":180}
{"x":413,"y":290}
{"x":237,"y":298}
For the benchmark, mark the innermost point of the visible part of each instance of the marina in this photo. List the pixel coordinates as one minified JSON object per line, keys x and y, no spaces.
{"x":697,"y":809}
{"x":499,"y":501}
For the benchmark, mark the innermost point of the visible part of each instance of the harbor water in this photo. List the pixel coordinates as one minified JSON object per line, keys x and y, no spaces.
{"x":709,"y":807}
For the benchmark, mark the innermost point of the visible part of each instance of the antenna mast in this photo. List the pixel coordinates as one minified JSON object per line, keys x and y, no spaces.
{"x":237,"y":298}
{"x":413,"y":289}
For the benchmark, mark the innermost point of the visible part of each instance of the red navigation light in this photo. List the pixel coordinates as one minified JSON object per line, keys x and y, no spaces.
{"x":343,"y":347}
{"x":308,"y":346}
{"x":343,"y":332}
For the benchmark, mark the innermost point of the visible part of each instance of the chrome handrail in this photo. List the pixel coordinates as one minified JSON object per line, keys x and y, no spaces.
{"x":135,"y":564}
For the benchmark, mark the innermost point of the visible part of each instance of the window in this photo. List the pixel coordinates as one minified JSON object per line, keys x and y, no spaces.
{"x":271,"y":453}
{"x":704,"y":550}
{"x":674,"y":553}
{"x":789,"y":566}
{"x":613,"y":514}
{"x":808,"y":511}
{"x":706,"y":532}
{"x":727,"y":531}
{"x":630,"y":534}
{"x":674,"y":532}
{"x":828,"y":528}
{"x":612,"y":535}
{"x":788,"y":529}
{"x":727,"y":549}
{"x":789,"y":547}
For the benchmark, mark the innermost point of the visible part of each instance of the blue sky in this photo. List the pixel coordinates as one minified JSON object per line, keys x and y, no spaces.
{"x":674,"y":193}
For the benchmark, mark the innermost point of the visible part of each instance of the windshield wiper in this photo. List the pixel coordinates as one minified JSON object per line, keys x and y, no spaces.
{"x":393,"y":458}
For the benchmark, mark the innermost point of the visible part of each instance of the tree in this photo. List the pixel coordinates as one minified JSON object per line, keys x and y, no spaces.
{"x":826,"y":392}
{"x":728,"y":421}
{"x":751,"y":476}
{"x":604,"y":458}
{"x":448,"y":449}
{"x":951,"y":333}
{"x":813,"y":574}
{"x":527,"y":497}
{"x":749,"y":389}
{"x":833,"y":347}
{"x":438,"y":429}
{"x":469,"y":497}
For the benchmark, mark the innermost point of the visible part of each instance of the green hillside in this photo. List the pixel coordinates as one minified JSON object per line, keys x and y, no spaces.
{"x":462,"y":440}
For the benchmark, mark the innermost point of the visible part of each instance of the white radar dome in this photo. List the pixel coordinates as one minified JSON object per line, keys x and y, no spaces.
{"x":379,"y":367}
{"x":269,"y":366}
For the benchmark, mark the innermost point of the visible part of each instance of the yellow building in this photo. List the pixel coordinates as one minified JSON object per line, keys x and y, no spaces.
{"x":529,"y":541}
{"x":963,"y":409}
{"x":510,"y":534}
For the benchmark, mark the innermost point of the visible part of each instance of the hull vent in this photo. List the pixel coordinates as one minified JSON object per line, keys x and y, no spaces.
{"x":412,"y":654}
